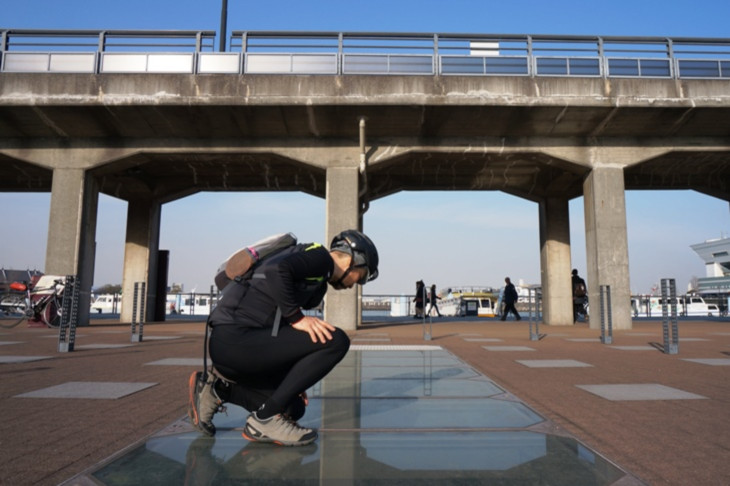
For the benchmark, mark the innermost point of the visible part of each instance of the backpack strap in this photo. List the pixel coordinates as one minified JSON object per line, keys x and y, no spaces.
{"x":277,"y":317}
{"x":277,"y":321}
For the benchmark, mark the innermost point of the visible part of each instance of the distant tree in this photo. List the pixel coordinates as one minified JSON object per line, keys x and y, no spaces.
{"x":109,"y":289}
{"x":694,"y":284}
{"x":176,"y":289}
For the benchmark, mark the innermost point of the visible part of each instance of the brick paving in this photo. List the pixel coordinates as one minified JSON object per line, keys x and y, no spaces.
{"x":47,"y":441}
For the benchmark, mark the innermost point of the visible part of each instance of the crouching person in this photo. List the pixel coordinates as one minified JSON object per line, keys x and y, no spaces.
{"x":266,"y":353}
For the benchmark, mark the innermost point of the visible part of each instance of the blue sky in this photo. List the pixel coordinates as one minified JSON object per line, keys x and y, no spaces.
{"x":446,"y":238}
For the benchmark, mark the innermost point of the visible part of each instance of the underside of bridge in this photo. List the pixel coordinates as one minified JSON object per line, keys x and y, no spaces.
{"x":167,"y":136}
{"x":531,"y":175}
{"x":153,"y":139}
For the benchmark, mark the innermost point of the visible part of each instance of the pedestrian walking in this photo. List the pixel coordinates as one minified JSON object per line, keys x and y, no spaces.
{"x":509,"y":299}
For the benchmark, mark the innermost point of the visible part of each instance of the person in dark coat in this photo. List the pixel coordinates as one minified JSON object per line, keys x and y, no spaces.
{"x":509,"y":299}
{"x":420,"y":299}
{"x":433,"y":298}
{"x":579,"y":295}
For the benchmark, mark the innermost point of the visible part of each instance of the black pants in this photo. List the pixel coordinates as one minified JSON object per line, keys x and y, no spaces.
{"x":510,"y":307}
{"x":434,"y":306}
{"x":272,"y":370}
{"x":578,"y":308}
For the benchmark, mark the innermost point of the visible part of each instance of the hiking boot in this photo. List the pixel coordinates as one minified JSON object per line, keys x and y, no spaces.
{"x":277,"y":429}
{"x":203,"y":402}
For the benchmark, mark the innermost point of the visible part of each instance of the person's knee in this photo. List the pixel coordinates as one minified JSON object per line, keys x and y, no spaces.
{"x":340,"y":342}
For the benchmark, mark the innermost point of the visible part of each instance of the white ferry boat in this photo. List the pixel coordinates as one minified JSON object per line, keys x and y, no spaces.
{"x":469,"y":301}
{"x":188,"y":304}
{"x":107,"y":304}
{"x":687,"y":305}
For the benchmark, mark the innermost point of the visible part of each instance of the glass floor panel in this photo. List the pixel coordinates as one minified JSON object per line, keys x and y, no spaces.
{"x":393,"y":388}
{"x":383,"y":418}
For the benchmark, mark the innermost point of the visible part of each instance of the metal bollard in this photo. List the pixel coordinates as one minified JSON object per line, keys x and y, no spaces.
{"x":138,"y":311}
{"x":669,"y":316}
{"x":69,"y":315}
{"x":535,"y":292}
{"x":606,"y":317}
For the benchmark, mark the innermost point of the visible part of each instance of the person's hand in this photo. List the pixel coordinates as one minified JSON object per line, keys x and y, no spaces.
{"x":318,"y":329}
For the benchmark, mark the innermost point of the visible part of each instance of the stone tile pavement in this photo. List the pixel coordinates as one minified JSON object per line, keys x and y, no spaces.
{"x":664,"y":418}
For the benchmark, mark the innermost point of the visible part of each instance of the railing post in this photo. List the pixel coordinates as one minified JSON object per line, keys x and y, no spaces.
{"x":224,"y":25}
{"x":602,"y":59}
{"x":244,"y":47}
{"x":340,"y":53}
{"x":436,"y":63}
{"x":673,"y":63}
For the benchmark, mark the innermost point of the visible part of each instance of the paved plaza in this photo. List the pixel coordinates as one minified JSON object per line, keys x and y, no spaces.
{"x":462,"y":402}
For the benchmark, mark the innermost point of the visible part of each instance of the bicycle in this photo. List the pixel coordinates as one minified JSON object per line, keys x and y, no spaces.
{"x":40,"y":304}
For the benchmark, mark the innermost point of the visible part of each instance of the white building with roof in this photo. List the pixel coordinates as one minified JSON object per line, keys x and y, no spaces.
{"x":716,"y":255}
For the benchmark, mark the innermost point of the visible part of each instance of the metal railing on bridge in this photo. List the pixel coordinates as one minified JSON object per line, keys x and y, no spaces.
{"x":337,"y":53}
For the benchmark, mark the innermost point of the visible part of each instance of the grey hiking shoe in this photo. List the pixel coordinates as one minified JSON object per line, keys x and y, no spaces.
{"x":203,"y":402}
{"x":277,"y":429}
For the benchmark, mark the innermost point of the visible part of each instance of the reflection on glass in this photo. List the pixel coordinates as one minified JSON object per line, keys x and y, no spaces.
{"x":698,"y":69}
{"x":462,"y":65}
{"x":383,"y":418}
{"x":585,"y":67}
{"x":514,"y":457}
{"x":555,"y":66}
{"x":623,"y":67}
{"x":507,"y":65}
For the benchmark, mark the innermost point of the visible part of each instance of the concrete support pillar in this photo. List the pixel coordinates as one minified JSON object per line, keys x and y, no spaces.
{"x":71,"y":232}
{"x":555,"y":262}
{"x":341,"y":306}
{"x":607,"y":244}
{"x":140,"y":255}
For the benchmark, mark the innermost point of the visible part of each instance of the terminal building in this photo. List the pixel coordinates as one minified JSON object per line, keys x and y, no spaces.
{"x":715,"y":286}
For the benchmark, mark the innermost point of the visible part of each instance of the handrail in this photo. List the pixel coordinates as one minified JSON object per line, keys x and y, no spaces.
{"x":345,"y":53}
{"x":102,"y":40}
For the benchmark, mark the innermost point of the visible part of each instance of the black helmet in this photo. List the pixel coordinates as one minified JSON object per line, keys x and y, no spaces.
{"x":361,"y":248}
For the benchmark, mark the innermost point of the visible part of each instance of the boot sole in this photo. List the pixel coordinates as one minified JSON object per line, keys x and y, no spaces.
{"x":192,"y":410}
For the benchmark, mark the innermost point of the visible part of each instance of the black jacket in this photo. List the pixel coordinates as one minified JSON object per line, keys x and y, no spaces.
{"x":510,"y":294}
{"x":292,"y":280}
